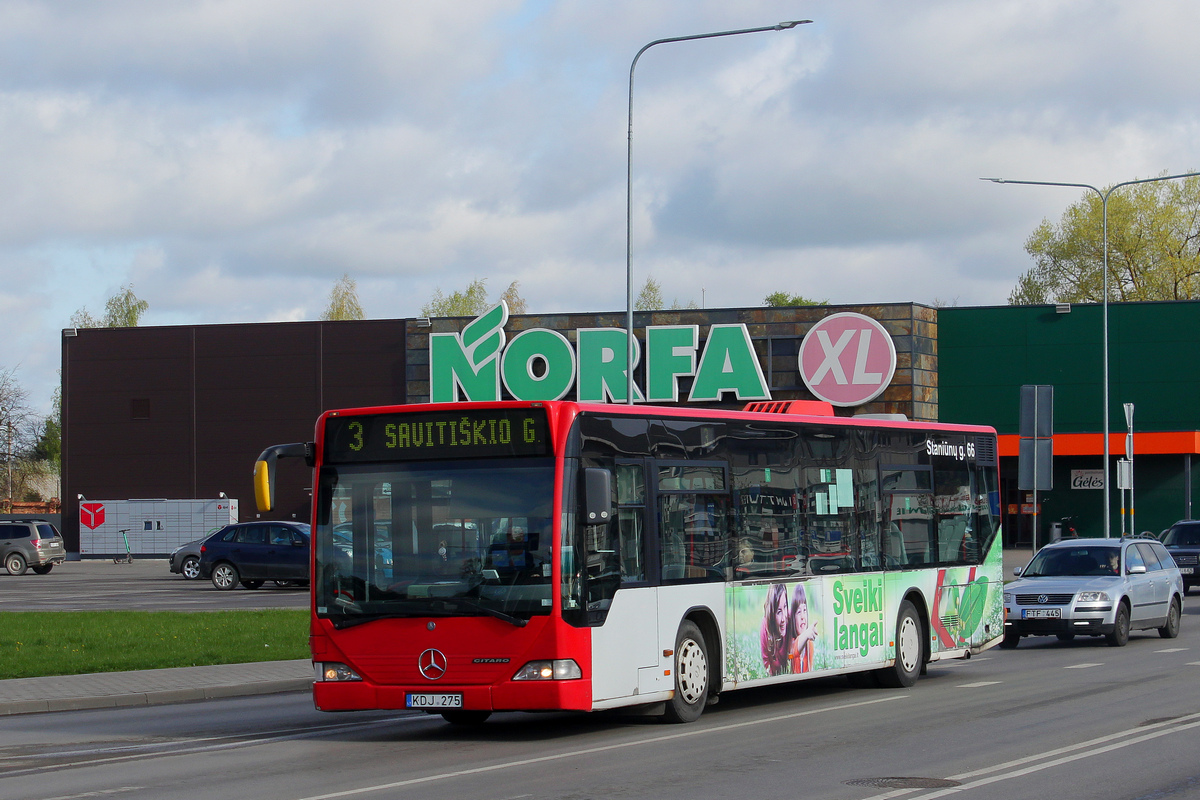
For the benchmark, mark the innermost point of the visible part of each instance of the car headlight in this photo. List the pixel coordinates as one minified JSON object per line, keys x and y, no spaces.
{"x":560,"y":669}
{"x":335,"y":671}
{"x":1007,"y":598}
{"x":1093,"y":597}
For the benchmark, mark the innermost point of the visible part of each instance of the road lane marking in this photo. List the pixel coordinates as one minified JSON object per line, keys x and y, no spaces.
{"x":1083,"y":666}
{"x":190,"y":746}
{"x":587,"y":751}
{"x":1172,"y":650}
{"x":978,"y":684}
{"x":1062,"y":755}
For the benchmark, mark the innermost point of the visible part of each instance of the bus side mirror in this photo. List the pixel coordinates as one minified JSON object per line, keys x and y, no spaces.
{"x":597,"y":496}
{"x":264,"y":470}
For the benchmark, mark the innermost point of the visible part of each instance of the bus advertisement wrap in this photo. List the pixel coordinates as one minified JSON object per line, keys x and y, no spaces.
{"x":846,"y":621}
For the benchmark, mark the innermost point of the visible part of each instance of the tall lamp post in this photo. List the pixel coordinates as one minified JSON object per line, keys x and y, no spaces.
{"x":1104,"y":195}
{"x":782,"y":26}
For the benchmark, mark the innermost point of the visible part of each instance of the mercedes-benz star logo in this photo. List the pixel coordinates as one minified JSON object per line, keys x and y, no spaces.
{"x":1042,"y":600}
{"x":432,"y":664}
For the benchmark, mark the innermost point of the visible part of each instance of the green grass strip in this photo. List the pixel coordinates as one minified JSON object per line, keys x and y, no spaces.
{"x":34,"y":644}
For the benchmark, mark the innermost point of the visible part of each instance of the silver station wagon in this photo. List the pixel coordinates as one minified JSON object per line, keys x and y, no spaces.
{"x":1095,"y":587}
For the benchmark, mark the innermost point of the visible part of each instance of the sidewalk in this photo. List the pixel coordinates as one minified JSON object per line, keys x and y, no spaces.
{"x":152,"y":687}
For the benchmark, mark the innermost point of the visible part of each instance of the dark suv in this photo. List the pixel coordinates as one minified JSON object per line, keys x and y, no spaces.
{"x":1182,"y":541}
{"x":30,"y":543}
{"x":251,"y":553}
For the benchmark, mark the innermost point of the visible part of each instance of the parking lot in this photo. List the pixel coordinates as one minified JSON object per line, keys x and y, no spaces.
{"x":144,"y":585}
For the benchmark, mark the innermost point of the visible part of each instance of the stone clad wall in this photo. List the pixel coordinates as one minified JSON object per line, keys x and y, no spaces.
{"x":775,"y":332}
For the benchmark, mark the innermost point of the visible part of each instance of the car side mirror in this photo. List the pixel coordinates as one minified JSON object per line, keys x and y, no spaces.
{"x":1137,"y":569}
{"x":1017,"y":571}
{"x":597,"y":496}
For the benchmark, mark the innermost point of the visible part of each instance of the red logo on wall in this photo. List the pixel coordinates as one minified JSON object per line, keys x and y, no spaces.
{"x":91,"y":515}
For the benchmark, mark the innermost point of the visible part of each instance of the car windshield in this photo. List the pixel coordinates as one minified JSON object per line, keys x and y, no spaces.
{"x":435,"y":539}
{"x":1183,"y":536}
{"x":1081,"y":560}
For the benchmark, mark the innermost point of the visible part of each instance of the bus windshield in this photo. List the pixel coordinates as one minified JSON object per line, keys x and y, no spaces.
{"x":446,"y":538}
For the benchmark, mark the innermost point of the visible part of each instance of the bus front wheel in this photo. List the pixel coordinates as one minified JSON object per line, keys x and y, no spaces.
{"x":910,"y":650}
{"x":691,"y":675}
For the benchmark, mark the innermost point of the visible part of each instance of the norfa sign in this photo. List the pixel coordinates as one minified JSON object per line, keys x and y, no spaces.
{"x":541,"y":364}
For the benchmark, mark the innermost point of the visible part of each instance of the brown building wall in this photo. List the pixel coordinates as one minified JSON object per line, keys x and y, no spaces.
{"x":181,"y":412}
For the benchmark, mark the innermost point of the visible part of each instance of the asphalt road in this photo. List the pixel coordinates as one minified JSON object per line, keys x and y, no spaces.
{"x":1063,"y":720}
{"x":144,"y":585}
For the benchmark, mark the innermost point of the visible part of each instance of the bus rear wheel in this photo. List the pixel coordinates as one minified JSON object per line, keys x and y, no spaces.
{"x":910,"y":650}
{"x":691,"y":675}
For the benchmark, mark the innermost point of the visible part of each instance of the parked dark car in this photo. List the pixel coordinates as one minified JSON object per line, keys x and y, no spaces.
{"x":1182,"y":541}
{"x":251,"y":553}
{"x":32,"y":543}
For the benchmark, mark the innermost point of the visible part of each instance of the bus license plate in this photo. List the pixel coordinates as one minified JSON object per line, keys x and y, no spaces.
{"x":433,"y":700}
{"x":1041,"y":613}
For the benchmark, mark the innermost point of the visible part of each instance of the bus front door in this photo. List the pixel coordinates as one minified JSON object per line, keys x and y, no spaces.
{"x":622,"y":608}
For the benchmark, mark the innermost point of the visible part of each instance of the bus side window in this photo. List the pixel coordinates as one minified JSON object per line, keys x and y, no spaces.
{"x":631,"y":513}
{"x":616,"y":551}
{"x":695,"y":536}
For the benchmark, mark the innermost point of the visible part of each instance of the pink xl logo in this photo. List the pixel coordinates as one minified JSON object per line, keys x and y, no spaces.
{"x":847,"y":359}
{"x":91,"y":515}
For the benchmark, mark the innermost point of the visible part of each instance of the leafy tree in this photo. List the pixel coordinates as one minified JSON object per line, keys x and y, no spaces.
{"x":48,"y":447}
{"x":783,"y":299}
{"x":1153,"y":248}
{"x":343,"y":301}
{"x":650,"y":298}
{"x":123,"y":310}
{"x":472,"y":301}
{"x":516,"y":303}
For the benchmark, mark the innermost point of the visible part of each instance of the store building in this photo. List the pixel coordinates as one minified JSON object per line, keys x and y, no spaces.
{"x":178,"y":412}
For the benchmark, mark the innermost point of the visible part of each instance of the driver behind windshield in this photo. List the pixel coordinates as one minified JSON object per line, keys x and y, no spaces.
{"x":512,"y":550}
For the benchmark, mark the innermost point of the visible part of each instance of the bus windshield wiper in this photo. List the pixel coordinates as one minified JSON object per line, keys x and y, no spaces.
{"x":491,"y":612}
{"x":346,"y":621}
{"x":440,"y":607}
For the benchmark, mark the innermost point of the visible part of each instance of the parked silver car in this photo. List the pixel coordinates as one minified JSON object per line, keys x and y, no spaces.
{"x":1095,"y":587}
{"x":28,"y":543}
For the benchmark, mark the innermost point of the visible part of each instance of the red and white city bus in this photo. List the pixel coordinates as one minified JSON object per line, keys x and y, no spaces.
{"x":479,"y":557}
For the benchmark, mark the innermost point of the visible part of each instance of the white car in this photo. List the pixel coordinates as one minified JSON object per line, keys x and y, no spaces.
{"x":1095,"y":587}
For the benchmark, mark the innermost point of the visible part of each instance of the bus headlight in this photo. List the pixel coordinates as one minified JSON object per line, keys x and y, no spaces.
{"x":560,"y":669}
{"x":336,"y":671}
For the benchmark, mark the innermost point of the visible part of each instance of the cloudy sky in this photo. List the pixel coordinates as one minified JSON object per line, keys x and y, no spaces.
{"x":233,"y":158}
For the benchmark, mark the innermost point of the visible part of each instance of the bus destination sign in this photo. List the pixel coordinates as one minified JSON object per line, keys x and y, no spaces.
{"x":464,"y":433}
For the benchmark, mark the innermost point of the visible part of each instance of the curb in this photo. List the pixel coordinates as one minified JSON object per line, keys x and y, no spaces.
{"x":155,"y":698}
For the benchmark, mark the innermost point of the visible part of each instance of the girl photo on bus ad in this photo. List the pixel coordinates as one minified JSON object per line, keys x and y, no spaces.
{"x":801,"y":633}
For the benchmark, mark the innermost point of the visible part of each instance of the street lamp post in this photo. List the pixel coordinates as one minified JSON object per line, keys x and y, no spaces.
{"x":782,"y":26}
{"x":1104,"y":195}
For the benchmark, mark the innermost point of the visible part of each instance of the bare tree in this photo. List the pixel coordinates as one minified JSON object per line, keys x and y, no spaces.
{"x":18,"y":434}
